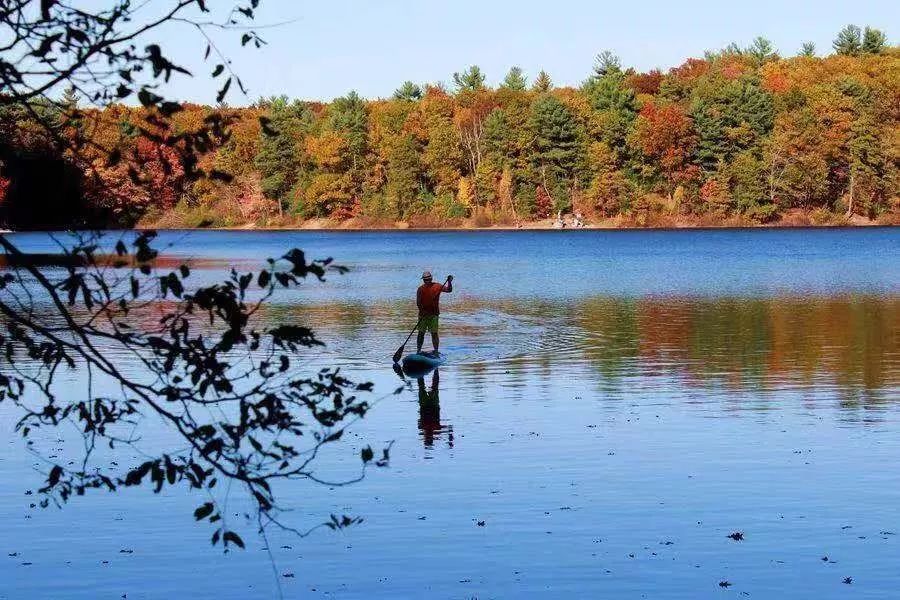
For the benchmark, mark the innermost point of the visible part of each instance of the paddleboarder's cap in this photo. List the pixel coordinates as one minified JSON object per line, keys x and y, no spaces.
{"x":426,"y":275}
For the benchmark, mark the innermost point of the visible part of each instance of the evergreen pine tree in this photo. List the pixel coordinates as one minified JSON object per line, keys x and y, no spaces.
{"x":731,"y":117}
{"x":515,"y":80}
{"x":874,"y":41}
{"x":409,"y":91}
{"x":808,"y":49}
{"x":403,"y":175}
{"x":277,"y":160}
{"x":848,"y":41}
{"x":868,"y":163}
{"x":556,"y":149}
{"x":605,"y":63}
{"x":472,"y":79}
{"x":70,"y":98}
{"x":542,"y":83}
{"x":497,"y":138}
{"x":611,"y":96}
{"x":762,"y":50}
{"x":348,"y":117}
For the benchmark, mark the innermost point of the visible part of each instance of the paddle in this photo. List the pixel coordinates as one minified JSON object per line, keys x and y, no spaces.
{"x":399,"y":353}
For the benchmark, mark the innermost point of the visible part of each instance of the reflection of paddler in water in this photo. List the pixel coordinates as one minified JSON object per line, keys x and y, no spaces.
{"x":430,"y":411}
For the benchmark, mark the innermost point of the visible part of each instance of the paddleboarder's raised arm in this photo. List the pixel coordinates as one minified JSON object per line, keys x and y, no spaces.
{"x":448,"y":287}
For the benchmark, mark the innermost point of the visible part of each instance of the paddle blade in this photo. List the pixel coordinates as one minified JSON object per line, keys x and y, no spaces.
{"x":398,"y":354}
{"x":399,"y":371}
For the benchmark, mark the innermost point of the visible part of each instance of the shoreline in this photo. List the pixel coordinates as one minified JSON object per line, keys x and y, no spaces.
{"x":794,"y":221}
{"x":338,"y":228}
{"x":655,"y":221}
{"x":493,"y":228}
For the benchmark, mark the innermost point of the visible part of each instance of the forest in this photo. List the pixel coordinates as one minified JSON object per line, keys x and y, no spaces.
{"x":743,"y":136}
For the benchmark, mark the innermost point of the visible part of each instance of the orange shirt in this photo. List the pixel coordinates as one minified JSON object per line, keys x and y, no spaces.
{"x":427,"y":299}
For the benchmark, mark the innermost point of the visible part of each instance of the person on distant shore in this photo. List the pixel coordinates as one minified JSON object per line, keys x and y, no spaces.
{"x":560,"y":223}
{"x":578,"y":221}
{"x":428,"y":298}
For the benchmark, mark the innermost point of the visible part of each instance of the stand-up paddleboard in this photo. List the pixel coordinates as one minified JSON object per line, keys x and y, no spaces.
{"x":422,"y":362}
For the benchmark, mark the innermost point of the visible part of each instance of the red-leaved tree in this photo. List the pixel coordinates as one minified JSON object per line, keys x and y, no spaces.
{"x":665,"y":135}
{"x":153,"y":178}
{"x":4,"y":185}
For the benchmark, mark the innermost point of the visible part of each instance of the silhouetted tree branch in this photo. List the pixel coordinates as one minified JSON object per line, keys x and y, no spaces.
{"x":210,"y":367}
{"x":213,"y":370}
{"x":56,"y":56}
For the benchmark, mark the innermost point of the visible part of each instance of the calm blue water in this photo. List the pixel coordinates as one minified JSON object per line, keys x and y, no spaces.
{"x":615,"y":405}
{"x":557,"y":265}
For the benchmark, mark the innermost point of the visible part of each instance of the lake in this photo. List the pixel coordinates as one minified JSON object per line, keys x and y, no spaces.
{"x":615,"y":405}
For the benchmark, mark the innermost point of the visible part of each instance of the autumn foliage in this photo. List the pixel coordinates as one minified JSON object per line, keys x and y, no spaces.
{"x":741,"y":134}
{"x":123,"y":190}
{"x":4,"y":184}
{"x":665,"y":134}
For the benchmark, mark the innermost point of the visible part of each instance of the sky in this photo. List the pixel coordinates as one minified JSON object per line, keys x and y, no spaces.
{"x":325,"y":49}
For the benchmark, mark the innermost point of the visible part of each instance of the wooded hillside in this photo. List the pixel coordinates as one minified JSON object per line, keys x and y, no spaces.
{"x":739,"y":136}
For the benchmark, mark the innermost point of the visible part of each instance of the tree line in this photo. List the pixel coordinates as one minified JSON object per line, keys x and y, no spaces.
{"x":741,"y":135}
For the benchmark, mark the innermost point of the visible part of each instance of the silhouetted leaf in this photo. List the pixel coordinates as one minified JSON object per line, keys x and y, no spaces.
{"x":204,"y":511}
{"x":234,"y":538}
{"x":148,"y":98}
{"x":135,"y":476}
{"x":224,"y":91}
{"x":170,"y":108}
{"x":55,"y":474}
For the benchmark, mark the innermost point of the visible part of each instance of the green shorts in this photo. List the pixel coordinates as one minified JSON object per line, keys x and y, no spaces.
{"x":428,"y":323}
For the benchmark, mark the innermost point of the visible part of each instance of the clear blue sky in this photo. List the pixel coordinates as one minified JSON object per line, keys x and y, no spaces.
{"x":374,"y":45}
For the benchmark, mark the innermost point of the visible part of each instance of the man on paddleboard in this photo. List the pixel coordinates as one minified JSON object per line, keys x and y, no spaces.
{"x":428,"y":298}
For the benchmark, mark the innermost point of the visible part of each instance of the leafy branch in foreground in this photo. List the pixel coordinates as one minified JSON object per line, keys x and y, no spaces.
{"x":212,"y":368}
{"x":57,"y":55}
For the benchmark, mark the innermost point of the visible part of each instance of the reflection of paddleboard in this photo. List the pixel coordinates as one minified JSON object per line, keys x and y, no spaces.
{"x":422,"y":361}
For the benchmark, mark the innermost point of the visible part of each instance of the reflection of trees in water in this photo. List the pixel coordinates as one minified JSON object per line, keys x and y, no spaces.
{"x":614,"y":338}
{"x":760,"y":345}
{"x":751,"y":344}
{"x":729,"y":340}
{"x":348,"y":318}
{"x":742,"y":344}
